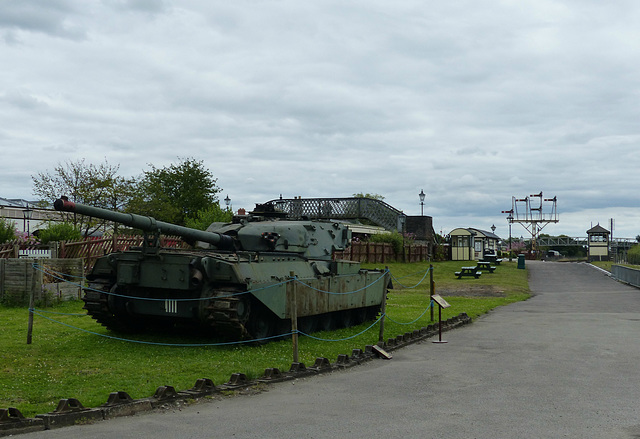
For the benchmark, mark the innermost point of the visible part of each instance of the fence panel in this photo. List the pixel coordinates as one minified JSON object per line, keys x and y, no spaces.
{"x":45,"y":277}
{"x":382,"y":252}
{"x":626,"y":274}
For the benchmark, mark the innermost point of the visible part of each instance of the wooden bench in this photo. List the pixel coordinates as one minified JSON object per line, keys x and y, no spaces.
{"x":468,"y":271}
{"x":485,"y":265}
{"x":491,"y":258}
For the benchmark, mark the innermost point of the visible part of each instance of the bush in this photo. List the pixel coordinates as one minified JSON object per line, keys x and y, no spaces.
{"x":59,"y":232}
{"x":7,"y":231}
{"x":633,"y":257}
{"x":394,"y":238}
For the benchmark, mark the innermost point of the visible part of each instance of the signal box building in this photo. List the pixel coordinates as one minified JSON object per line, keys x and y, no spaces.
{"x":598,"y":243}
{"x":472,"y":244}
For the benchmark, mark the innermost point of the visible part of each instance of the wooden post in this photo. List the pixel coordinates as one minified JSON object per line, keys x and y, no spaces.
{"x":293,"y":311}
{"x":432,"y":288}
{"x":383,"y":308}
{"x":32,"y":294}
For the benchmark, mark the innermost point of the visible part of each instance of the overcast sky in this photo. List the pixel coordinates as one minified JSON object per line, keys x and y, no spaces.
{"x":473,"y":102}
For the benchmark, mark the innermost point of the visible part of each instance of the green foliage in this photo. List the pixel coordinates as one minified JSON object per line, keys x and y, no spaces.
{"x":59,"y":232}
{"x":176,"y":192}
{"x":367,"y":195}
{"x":394,"y":238}
{"x":94,"y":185}
{"x":205,"y":217}
{"x":7,"y":230}
{"x":633,"y":256}
{"x":439,"y":253}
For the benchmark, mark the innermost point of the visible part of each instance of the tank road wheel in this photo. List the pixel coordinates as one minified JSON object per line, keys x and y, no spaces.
{"x":308,"y":324}
{"x":262,"y":323}
{"x":346,"y":318}
{"x":373,"y":311}
{"x":326,"y":322}
{"x":243,"y":310}
{"x":359,"y":315}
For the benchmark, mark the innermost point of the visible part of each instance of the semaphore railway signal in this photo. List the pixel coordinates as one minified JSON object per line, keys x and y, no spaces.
{"x":533,"y":213}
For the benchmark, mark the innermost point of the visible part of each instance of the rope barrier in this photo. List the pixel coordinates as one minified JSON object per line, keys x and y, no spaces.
{"x":158,"y":343}
{"x":414,"y":286}
{"x":413,"y":321}
{"x":346,"y":292}
{"x":224,"y":296}
{"x":59,"y":276}
{"x":59,"y":313}
{"x":346,"y":338}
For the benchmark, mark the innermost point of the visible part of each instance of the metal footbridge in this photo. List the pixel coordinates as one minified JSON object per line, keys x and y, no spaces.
{"x":353,"y":208}
{"x":567,"y":241}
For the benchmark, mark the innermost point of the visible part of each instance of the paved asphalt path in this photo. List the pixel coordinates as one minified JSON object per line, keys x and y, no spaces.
{"x":563,"y":364}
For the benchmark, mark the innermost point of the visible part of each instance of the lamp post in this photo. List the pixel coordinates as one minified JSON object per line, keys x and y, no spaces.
{"x":280,"y":204}
{"x":227,"y":201}
{"x":510,"y":220}
{"x":422,"y":195}
{"x":27,"y":213}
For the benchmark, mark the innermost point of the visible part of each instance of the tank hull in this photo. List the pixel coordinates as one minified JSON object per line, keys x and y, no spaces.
{"x":232,"y":295}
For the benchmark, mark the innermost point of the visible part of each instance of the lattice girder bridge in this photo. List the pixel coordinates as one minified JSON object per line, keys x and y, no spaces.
{"x":352,"y":208}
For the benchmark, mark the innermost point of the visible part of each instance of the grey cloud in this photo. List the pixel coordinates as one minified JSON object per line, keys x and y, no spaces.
{"x":472,"y":103}
{"x":51,"y":17}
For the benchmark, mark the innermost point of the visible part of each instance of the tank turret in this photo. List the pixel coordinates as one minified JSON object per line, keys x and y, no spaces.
{"x":257,"y":232}
{"x":234,"y":283}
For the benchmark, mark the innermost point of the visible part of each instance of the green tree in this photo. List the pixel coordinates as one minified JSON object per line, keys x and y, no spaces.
{"x":633,"y":256}
{"x":367,"y":195}
{"x":7,"y":230}
{"x":213,"y":214}
{"x":94,"y":185}
{"x":176,"y":192}
{"x":59,"y":232}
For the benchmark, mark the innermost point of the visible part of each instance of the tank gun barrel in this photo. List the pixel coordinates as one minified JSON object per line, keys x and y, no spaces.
{"x":146,"y":223}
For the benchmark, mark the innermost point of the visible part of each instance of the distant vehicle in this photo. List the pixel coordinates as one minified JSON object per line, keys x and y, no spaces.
{"x":553,"y":253}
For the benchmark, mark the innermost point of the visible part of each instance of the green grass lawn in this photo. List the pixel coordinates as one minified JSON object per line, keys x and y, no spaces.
{"x":65,"y":362}
{"x":606,"y":265}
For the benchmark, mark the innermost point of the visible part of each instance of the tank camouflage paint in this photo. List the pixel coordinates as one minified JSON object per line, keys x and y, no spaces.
{"x":237,"y":280}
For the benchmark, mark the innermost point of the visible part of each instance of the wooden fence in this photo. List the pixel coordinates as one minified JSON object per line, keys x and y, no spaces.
{"x":382,"y":252}
{"x":88,"y":250}
{"x":20,"y":280}
{"x":13,"y":249}
{"x":92,"y":249}
{"x":47,"y":278}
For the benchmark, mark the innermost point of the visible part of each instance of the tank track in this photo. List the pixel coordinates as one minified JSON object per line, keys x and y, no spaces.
{"x":96,"y":302}
{"x":220,"y":314}
{"x":225,"y":316}
{"x":228,"y":315}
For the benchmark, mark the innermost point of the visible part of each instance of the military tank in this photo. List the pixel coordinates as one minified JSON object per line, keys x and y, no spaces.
{"x":239,"y":281}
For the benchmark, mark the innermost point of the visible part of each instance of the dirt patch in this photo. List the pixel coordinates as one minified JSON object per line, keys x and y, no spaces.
{"x":472,"y":291}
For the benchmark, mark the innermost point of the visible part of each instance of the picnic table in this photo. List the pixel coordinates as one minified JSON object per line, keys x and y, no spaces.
{"x":486,"y":265}
{"x":468,"y":271}
{"x":493,"y":258}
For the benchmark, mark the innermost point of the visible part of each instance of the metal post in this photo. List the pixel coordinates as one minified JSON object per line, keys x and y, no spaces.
{"x":294,"y":315}
{"x":31,"y":305}
{"x":440,"y":324}
{"x":432,"y":289}
{"x":383,"y":308}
